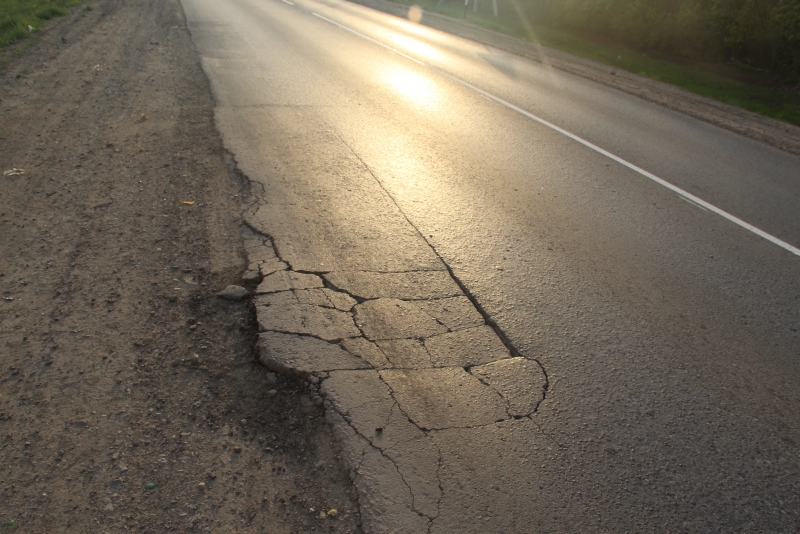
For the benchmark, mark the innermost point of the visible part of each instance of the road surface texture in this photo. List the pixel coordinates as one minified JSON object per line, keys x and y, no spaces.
{"x":528,"y":302}
{"x":119,"y":366}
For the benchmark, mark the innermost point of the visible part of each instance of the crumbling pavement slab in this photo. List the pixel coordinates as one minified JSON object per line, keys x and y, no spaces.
{"x":395,"y":319}
{"x":385,"y":500}
{"x":456,"y":313}
{"x":444,"y":398}
{"x":415,"y":285}
{"x":286,"y":280}
{"x":367,"y":350}
{"x":465,"y":348}
{"x":405,"y":353}
{"x":295,"y":318}
{"x":364,"y":401}
{"x":518,"y":380}
{"x":300,"y":356}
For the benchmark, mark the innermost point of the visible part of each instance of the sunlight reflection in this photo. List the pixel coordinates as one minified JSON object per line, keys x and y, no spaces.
{"x":417,"y":47}
{"x":411,"y":85}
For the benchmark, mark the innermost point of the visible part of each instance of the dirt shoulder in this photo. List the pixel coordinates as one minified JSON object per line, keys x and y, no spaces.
{"x":119,"y":367}
{"x":769,"y":131}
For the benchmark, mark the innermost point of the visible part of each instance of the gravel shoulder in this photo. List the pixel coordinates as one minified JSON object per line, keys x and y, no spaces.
{"x":130,"y":395}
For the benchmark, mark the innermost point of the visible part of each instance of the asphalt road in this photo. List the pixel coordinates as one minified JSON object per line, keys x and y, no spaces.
{"x":669,"y":334}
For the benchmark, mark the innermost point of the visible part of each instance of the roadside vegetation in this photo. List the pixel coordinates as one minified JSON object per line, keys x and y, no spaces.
{"x":742,"y":52}
{"x":19,"y":18}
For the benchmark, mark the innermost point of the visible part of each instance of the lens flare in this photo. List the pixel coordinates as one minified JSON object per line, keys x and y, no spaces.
{"x":415,"y":14}
{"x":412,"y":86}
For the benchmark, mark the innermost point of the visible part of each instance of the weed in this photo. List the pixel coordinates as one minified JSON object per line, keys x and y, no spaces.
{"x":47,"y":13}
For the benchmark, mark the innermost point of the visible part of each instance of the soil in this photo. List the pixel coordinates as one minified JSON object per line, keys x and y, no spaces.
{"x":130,"y":395}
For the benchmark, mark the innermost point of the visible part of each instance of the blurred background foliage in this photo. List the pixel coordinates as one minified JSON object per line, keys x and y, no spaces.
{"x":761,"y":34}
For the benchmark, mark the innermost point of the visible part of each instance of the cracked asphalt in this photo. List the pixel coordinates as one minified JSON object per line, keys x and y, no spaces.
{"x":510,"y":331}
{"x":396,"y":356}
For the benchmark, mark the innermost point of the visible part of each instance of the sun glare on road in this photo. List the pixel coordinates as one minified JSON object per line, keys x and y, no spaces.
{"x":415,"y":87}
{"x":415,"y":47}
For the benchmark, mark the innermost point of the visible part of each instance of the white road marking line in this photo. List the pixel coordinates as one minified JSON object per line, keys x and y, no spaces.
{"x":684,"y":194}
{"x":692,"y":203}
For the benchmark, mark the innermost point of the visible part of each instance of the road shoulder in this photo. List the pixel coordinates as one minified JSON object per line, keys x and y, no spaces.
{"x":130,"y":396}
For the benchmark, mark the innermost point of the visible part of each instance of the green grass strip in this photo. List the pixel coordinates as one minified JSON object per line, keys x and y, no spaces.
{"x":20,"y":18}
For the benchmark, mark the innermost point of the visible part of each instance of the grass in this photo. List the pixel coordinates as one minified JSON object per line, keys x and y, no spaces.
{"x":755,"y":91}
{"x":19,"y":18}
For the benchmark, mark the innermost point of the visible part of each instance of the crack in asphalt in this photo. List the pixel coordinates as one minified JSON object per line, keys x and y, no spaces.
{"x":382,"y":453}
{"x":269,"y":241}
{"x":487,"y":319}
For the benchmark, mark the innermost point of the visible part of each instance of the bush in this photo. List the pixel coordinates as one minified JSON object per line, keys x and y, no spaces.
{"x":764,"y":34}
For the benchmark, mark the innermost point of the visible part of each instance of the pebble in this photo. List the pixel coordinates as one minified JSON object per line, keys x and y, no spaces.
{"x":272,"y":392}
{"x":201,"y":486}
{"x":251,"y":277}
{"x":234,"y":293}
{"x":317,"y":400}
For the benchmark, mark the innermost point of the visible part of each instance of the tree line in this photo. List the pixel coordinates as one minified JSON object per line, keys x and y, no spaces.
{"x":763,"y":34}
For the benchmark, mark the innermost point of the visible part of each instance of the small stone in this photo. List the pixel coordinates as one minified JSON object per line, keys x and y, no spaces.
{"x":201,"y":486}
{"x":237,"y":448}
{"x":333,"y":512}
{"x":235,"y":293}
{"x":251,"y":277}
{"x":317,"y":400}
{"x":272,"y":392}
{"x":323,"y":515}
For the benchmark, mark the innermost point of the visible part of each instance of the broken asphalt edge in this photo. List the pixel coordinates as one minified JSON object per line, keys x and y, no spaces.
{"x":384,"y":505}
